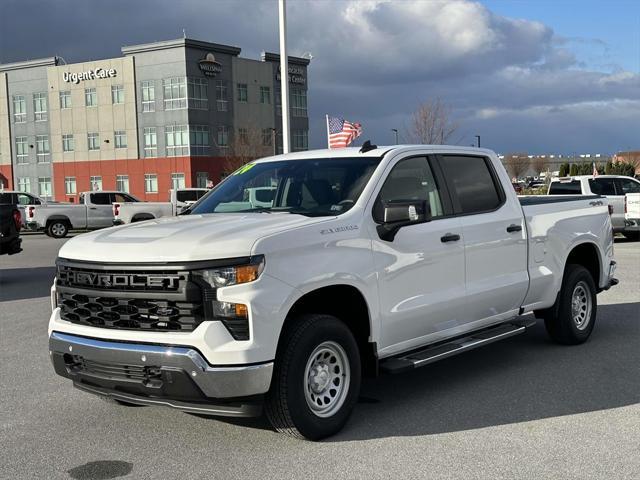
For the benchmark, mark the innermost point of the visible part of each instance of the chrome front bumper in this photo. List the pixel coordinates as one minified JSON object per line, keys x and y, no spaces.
{"x":220,"y":382}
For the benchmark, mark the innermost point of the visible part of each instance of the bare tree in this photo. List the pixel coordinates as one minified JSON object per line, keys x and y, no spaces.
{"x":431,"y":123}
{"x":247,"y":144}
{"x":517,"y":164}
{"x":540,"y":164}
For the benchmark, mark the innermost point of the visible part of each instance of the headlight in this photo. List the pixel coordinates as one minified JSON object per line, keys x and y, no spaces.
{"x":227,"y":276}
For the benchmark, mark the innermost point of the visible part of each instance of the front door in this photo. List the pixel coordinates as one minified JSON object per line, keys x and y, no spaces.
{"x":421,"y":271}
{"x":100,"y":210}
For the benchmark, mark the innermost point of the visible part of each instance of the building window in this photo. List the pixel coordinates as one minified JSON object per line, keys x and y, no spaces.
{"x":243,"y":94}
{"x":40,"y":107}
{"x":90,"y":97}
{"x":151,"y":183}
{"x":243,"y":136}
{"x":120,"y":139}
{"x":221,"y":96}
{"x":68,"y":144}
{"x":42,"y":148}
{"x":93,"y":141}
{"x":223,"y":136}
{"x":19,"y":109}
{"x":70,"y":185}
{"x":298,"y":102}
{"x":265,"y":95}
{"x":148,"y":97}
{"x":44,"y":186}
{"x":278,"y":100}
{"x":177,"y":180}
{"x":150,"y":142}
{"x":95,"y":182}
{"x":24,"y":184}
{"x":117,"y":94}
{"x":202,"y":178}
{"x":175,"y":93}
{"x":176,"y":139}
{"x":199,"y":140}
{"x":122,"y":183}
{"x":65,"y":99}
{"x":300,"y":140}
{"x":267,"y":137}
{"x":197,"y":90}
{"x":22,"y":150}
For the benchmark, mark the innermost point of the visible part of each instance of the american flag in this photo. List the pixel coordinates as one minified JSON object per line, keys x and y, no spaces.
{"x":341,"y":132}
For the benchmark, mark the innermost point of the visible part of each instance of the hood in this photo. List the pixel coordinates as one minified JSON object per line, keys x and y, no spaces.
{"x":182,"y":239}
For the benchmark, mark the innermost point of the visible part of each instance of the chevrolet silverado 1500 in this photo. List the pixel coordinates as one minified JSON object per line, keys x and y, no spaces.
{"x":382,"y":259}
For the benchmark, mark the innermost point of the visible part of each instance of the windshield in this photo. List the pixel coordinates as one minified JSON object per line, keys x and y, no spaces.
{"x":313,"y":187}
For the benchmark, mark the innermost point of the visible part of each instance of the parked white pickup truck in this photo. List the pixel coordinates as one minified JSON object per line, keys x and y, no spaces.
{"x":92,"y":211}
{"x":179,"y":199}
{"x":614,"y":187}
{"x":632,"y":215}
{"x":22,"y":200}
{"x":382,"y":259}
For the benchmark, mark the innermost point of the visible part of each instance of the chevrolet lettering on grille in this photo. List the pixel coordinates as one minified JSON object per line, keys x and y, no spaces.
{"x":112,"y":280}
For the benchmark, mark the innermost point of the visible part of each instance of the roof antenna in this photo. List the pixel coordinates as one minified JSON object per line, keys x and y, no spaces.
{"x":184,"y":33}
{"x":366,"y":146}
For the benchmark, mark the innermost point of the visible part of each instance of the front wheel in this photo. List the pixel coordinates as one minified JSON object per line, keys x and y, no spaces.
{"x":316,"y":380}
{"x":57,"y":229}
{"x":572,"y":319}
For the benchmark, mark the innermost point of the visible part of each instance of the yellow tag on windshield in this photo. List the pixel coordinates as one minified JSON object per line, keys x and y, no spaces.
{"x":244,"y":169}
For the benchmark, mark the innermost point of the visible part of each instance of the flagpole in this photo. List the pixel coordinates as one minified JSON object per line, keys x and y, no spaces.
{"x":328,"y":137}
{"x":284,"y":75}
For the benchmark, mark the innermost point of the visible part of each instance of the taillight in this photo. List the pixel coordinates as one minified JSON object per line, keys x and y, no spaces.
{"x":17,"y":219}
{"x":30,"y":212}
{"x":116,"y":209}
{"x":625,"y":204}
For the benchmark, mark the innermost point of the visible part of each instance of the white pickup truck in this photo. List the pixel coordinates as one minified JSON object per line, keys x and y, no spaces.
{"x":92,"y":211}
{"x":614,"y":187}
{"x":179,"y":199}
{"x":632,"y":215}
{"x":382,"y":259}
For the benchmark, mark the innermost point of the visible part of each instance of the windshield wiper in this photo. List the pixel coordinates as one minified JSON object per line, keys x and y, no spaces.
{"x":256,"y":209}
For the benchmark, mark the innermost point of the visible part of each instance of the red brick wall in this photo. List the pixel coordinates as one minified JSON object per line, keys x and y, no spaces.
{"x":6,"y":176}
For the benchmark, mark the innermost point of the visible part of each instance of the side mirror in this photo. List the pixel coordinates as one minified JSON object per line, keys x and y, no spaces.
{"x":402,"y":213}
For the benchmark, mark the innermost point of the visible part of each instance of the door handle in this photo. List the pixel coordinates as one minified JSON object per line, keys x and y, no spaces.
{"x":514,"y":228}
{"x":596,"y":203}
{"x":450,"y":237}
{"x":93,"y":208}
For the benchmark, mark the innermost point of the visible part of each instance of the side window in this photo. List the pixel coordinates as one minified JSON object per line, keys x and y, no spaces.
{"x":24,"y":199}
{"x":472,"y":182}
{"x":100,"y":199}
{"x":120,"y":198}
{"x":410,"y":179}
{"x":626,"y":185}
{"x":602,"y":186}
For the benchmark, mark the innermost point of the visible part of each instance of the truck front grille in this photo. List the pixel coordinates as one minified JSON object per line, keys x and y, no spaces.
{"x":129,"y":313}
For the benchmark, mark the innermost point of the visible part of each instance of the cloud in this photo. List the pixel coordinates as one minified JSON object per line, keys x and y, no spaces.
{"x":374,"y":61}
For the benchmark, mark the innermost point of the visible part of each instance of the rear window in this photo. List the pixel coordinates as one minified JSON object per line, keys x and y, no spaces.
{"x":565,"y":188}
{"x":265,"y":195}
{"x":101,"y":198}
{"x":7,"y":198}
{"x":627,"y":185}
{"x":473,"y":182}
{"x":189,"y":195}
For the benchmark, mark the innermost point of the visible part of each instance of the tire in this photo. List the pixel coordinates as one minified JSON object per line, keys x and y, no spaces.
{"x":633,"y":236}
{"x":316,"y":379}
{"x":57,"y":229}
{"x":564,"y":324}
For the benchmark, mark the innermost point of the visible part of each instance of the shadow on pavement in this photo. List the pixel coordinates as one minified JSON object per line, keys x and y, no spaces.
{"x":25,"y":283}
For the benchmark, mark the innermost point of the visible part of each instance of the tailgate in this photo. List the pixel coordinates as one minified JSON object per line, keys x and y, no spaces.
{"x":632,"y":206}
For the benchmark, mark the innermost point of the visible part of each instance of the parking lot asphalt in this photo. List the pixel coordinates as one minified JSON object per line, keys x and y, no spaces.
{"x":522,"y":408}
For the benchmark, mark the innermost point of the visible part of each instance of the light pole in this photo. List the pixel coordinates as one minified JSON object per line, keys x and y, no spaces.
{"x":395,"y":132}
{"x":478,"y":139}
{"x":284,"y":75}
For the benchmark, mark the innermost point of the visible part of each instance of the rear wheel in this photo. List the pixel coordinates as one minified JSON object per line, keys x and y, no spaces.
{"x":572,"y":319}
{"x":316,"y":379}
{"x":57,"y":229}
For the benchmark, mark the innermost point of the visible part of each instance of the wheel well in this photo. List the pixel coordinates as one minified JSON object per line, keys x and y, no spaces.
{"x":586,"y":254}
{"x":139,"y":217}
{"x":50,"y":220}
{"x":348,"y":304}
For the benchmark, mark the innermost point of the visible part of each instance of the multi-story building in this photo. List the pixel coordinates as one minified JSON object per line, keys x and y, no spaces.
{"x":164,"y":114}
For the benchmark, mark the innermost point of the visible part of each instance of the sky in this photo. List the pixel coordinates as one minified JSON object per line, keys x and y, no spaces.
{"x":536,"y":76}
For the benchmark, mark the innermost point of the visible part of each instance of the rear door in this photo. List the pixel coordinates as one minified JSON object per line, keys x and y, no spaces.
{"x":494,"y":235}
{"x":100,"y":211}
{"x":607,"y":186}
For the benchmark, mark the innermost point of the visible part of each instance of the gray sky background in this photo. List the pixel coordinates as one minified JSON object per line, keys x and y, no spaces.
{"x":517,"y":82}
